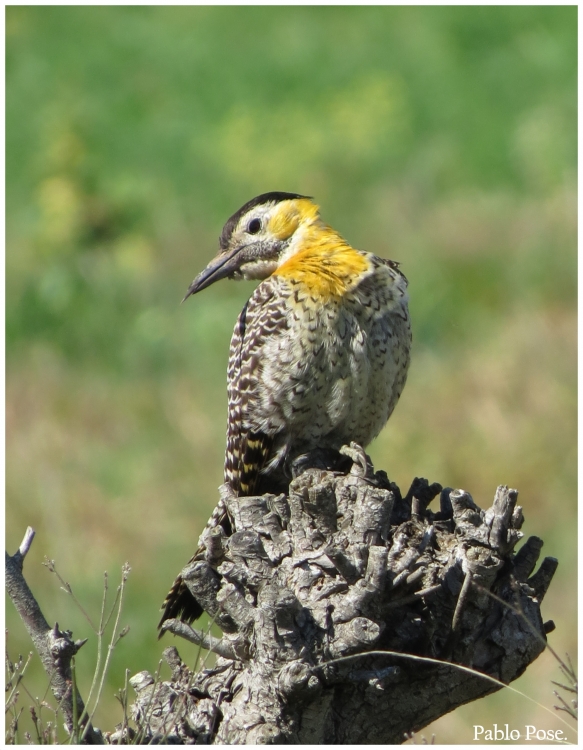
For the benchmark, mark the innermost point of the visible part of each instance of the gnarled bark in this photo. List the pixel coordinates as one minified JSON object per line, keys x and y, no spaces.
{"x":310,"y":588}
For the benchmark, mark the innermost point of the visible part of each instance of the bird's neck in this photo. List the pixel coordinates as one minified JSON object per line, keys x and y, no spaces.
{"x":323,"y":262}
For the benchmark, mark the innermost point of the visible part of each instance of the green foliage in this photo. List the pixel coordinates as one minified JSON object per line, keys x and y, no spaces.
{"x":128,"y":125}
{"x":443,"y":137}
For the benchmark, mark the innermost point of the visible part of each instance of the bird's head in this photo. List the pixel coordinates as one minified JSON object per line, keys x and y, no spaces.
{"x":259,"y":237}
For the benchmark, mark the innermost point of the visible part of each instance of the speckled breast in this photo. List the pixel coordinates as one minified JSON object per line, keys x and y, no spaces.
{"x":337,"y":371}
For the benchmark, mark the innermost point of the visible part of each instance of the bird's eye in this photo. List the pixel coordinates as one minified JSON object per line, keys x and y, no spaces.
{"x":254,"y":226}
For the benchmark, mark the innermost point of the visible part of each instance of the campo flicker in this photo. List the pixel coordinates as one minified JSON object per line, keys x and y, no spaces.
{"x":319,"y":354}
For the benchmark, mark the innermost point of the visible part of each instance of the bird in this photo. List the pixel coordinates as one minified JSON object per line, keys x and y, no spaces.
{"x":319,"y":353}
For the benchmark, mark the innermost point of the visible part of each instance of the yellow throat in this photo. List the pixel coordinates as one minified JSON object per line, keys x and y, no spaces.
{"x":324,"y":263}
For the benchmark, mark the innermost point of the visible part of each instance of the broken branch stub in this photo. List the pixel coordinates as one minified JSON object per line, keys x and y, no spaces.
{"x":55,"y":647}
{"x":310,"y":583}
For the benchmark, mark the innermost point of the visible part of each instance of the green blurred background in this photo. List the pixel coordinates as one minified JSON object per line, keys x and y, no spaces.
{"x":442,"y":137}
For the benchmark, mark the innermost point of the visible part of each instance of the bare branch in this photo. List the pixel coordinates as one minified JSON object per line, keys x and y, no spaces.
{"x":216,"y":645}
{"x":56,"y":648}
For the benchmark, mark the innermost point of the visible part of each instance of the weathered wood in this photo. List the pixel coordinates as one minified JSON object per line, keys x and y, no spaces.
{"x":344,"y":565}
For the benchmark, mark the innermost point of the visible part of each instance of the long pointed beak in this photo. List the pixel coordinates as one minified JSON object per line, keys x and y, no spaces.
{"x":220,"y":267}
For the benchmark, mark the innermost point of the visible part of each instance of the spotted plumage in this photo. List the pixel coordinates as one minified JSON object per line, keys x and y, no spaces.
{"x":319,"y":354}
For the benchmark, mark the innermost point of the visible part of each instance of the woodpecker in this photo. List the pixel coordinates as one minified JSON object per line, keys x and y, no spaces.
{"x":319,"y":354}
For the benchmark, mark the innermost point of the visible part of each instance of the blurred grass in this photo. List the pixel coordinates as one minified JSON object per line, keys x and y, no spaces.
{"x":443,"y":137}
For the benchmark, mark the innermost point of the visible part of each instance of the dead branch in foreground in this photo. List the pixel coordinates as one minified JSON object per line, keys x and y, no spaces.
{"x":310,"y":588}
{"x":55,"y":647}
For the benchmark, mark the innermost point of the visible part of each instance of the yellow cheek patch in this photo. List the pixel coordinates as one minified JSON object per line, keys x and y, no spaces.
{"x":284,"y":224}
{"x":289,"y":216}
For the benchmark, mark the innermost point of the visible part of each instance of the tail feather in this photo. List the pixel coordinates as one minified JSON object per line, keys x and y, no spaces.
{"x":256,"y":450}
{"x":242,"y":471}
{"x":180,"y":604}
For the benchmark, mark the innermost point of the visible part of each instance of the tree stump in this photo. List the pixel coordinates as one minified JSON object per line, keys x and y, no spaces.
{"x":311,"y":586}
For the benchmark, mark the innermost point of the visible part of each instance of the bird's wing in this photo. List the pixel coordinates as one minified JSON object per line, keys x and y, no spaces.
{"x":249,"y":441}
{"x":248,"y":448}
